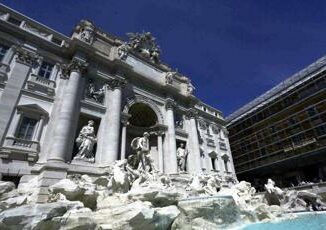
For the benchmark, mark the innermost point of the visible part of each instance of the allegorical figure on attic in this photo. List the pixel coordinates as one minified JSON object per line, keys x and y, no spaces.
{"x":85,"y":142}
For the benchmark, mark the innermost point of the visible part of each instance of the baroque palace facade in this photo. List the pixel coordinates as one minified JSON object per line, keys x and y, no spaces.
{"x":51,"y":86}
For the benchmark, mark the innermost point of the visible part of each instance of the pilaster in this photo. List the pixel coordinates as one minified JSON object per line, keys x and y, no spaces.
{"x":24,"y":61}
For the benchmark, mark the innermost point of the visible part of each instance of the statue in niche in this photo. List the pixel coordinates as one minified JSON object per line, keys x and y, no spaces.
{"x":85,"y":142}
{"x":93,"y":93}
{"x":179,"y":124}
{"x":182,"y":154}
{"x":142,"y":160}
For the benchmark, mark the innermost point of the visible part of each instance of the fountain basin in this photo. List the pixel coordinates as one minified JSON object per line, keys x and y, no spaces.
{"x":298,"y":221}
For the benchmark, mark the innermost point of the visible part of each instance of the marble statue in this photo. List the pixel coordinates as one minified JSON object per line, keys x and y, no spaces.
{"x":169,"y":76}
{"x":212,"y":186}
{"x":141,"y":146}
{"x":123,"y":50}
{"x":271,"y":188}
{"x":85,"y":31}
{"x":292,"y":199}
{"x":144,"y":44}
{"x":179,"y":124}
{"x":85,"y":142}
{"x":190,"y":88}
{"x":182,"y":154}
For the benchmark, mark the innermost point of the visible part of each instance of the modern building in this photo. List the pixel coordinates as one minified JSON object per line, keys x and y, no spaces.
{"x":282,"y":134}
{"x":51,"y":85}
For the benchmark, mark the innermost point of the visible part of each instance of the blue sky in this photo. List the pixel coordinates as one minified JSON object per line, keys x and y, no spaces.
{"x":232,"y":50}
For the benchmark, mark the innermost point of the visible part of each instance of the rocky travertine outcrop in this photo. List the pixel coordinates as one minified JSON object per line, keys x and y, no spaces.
{"x":292,"y":200}
{"x":36,"y":216}
{"x":215,"y":212}
{"x":136,"y":199}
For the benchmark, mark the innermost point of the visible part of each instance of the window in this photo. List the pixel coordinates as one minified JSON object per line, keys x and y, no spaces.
{"x":298,"y":139}
{"x":321,"y":130}
{"x":26,"y":128}
{"x":226,"y":165}
{"x":223,"y":146}
{"x":311,"y":111}
{"x":45,"y":70}
{"x":213,"y":163}
{"x":3,"y":51}
{"x":292,"y":121}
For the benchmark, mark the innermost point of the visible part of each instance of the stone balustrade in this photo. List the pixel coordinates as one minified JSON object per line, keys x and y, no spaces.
{"x":42,"y":84}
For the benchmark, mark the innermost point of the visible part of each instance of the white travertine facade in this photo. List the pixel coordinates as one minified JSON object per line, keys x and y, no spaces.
{"x":52,"y":85}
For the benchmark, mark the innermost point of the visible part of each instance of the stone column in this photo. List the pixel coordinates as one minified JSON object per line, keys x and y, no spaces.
{"x":64,"y":129}
{"x":194,"y":159}
{"x":11,"y":93}
{"x":160,"y":150}
{"x":125,"y":123}
{"x":111,"y":123}
{"x":170,"y":158}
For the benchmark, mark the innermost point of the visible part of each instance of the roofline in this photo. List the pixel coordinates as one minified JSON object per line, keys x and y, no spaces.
{"x":254,"y":104}
{"x":2,"y":6}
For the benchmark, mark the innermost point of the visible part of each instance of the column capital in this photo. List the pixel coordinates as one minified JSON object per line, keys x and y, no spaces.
{"x":170,"y":104}
{"x":191,"y":113}
{"x":76,"y":65}
{"x":26,"y":57}
{"x":159,"y":133}
{"x":116,"y":83}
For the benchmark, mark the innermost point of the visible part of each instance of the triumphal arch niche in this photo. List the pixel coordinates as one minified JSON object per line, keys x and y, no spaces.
{"x":144,"y":116}
{"x":82,"y":106}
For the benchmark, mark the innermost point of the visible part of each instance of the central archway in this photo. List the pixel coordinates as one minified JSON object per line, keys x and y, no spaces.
{"x":142,"y":115}
{"x":143,"y":118}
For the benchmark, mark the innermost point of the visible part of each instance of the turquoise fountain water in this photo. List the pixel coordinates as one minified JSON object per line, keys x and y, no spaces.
{"x":304,"y":221}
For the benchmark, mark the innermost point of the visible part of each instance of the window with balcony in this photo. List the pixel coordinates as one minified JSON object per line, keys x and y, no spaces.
{"x":45,"y":70}
{"x":3,"y":51}
{"x":26,"y":129}
{"x":23,"y":138}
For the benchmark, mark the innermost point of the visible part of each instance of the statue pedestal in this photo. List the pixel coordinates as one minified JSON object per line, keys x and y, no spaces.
{"x":83,"y":161}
